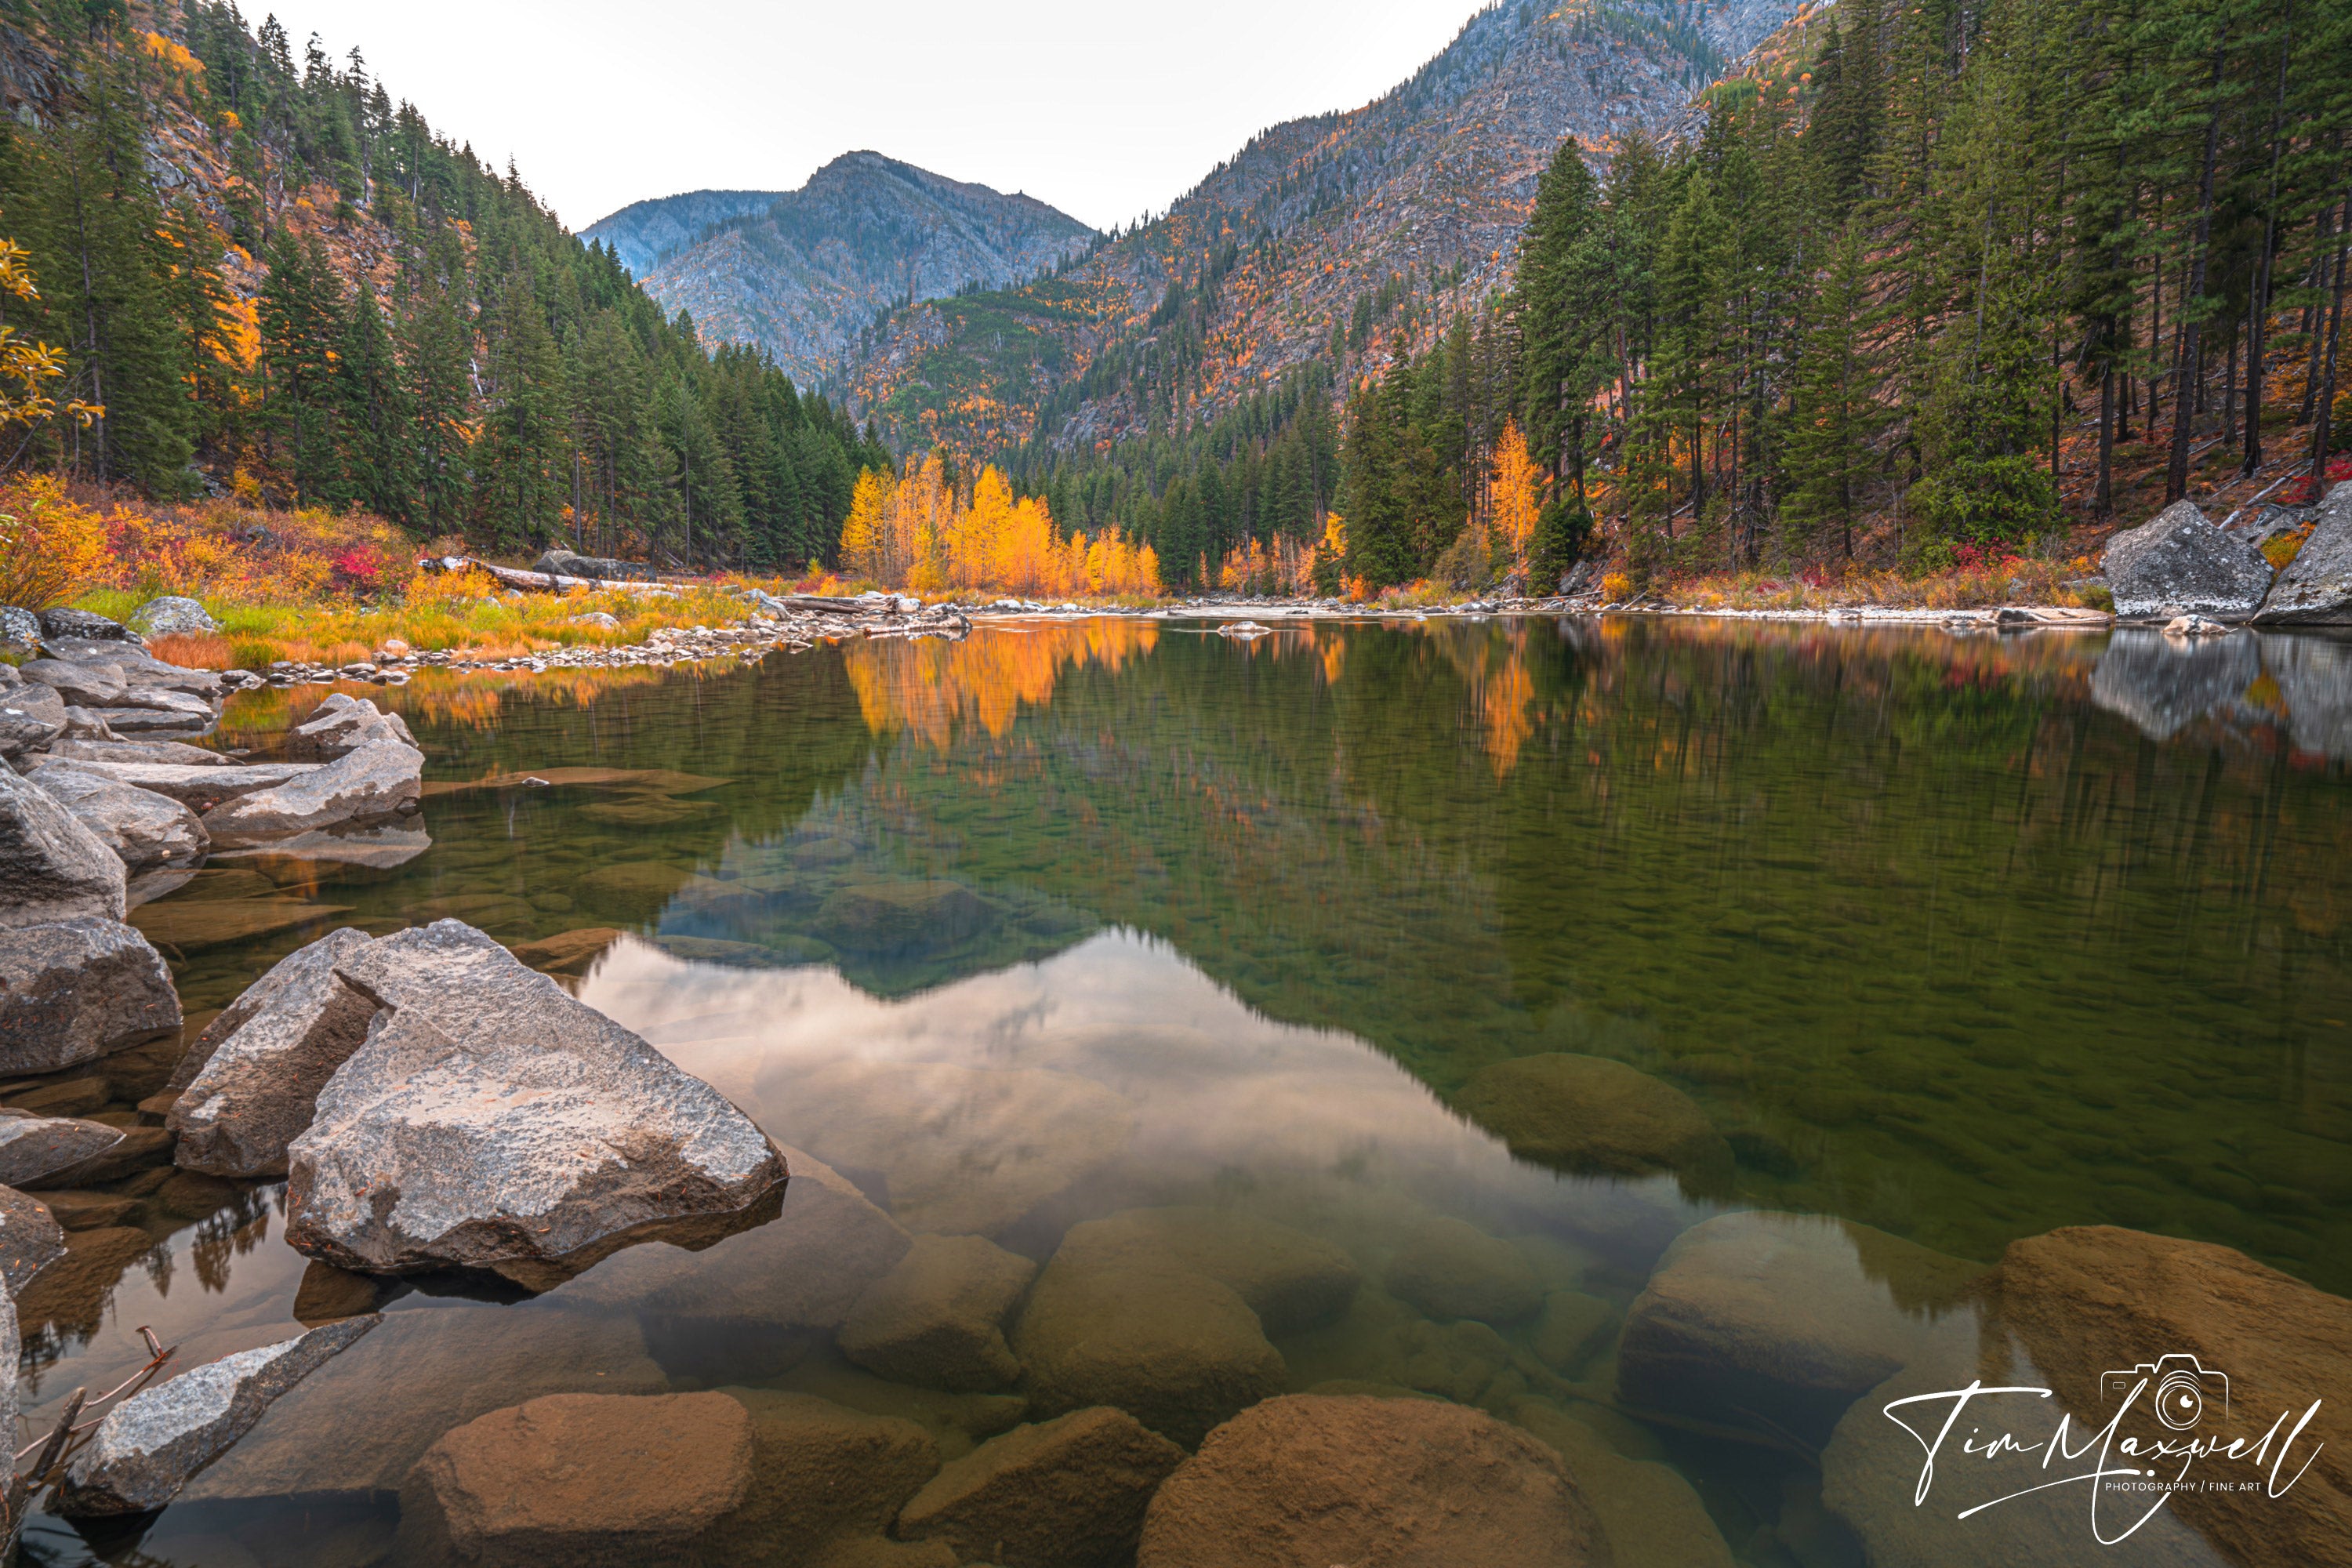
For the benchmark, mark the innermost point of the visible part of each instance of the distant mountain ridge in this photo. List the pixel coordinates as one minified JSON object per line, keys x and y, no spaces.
{"x":645,"y":234}
{"x":1324,"y":237}
{"x":802,"y":272}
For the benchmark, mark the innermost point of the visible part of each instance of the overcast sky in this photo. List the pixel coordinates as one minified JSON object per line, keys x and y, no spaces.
{"x":1105,"y":111}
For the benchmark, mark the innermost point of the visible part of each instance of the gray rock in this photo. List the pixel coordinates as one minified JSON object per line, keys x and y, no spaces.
{"x":200,"y":787}
{"x":86,"y":724}
{"x":51,"y":867}
{"x":1064,"y":1493}
{"x":2178,"y":562}
{"x":31,"y":716}
{"x":170,"y":615}
{"x":2163,"y":684}
{"x":66,"y":622}
{"x":597,"y":618}
{"x":566,"y":563}
{"x":30,"y":1238}
{"x":341,"y":725}
{"x":84,"y":685}
{"x":2268,"y":521}
{"x":380,"y":778}
{"x":33,"y":1147}
{"x":144,"y":829}
{"x":188,"y":718}
{"x":1595,"y":1116}
{"x":152,"y":1444}
{"x":11,"y":1350}
{"x":140,"y":669}
{"x":173,"y":753}
{"x":1776,"y":1323}
{"x":258,"y":1085}
{"x":20,"y":629}
{"x":73,"y":990}
{"x":936,"y":1320}
{"x":489,"y":1119}
{"x":2315,"y":589}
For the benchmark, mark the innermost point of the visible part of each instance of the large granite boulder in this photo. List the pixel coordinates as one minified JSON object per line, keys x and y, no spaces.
{"x":2178,"y":564}
{"x":141,"y":671}
{"x":341,"y":725}
{"x":489,"y":1119}
{"x":2315,"y":589}
{"x":32,"y":717}
{"x":149,"y":1447}
{"x":2089,"y":1302}
{"x":1594,"y":1116}
{"x":20,"y":630}
{"x":52,"y":867}
{"x":1320,"y":1479}
{"x":1064,"y":1493}
{"x":936,"y":1320}
{"x":380,"y":779}
{"x":67,"y":622}
{"x":171,"y":616}
{"x":2164,"y":684}
{"x":145,"y":829}
{"x":1776,"y":1323}
{"x":35,"y":1147}
{"x":30,"y":1238}
{"x":258,"y":1086}
{"x":1177,"y":1350}
{"x":83,"y":685}
{"x":72,"y":990}
{"x":1290,"y":1280}
{"x":176,"y":753}
{"x":581,"y":1479}
{"x":200,"y":787}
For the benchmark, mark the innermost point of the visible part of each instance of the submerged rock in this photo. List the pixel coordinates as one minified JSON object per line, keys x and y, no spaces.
{"x":256,"y":1088}
{"x":51,"y":867}
{"x":146,"y":1448}
{"x":30,"y":1238}
{"x":827,"y":1478}
{"x":1591,"y":1115}
{"x":489,"y":1119}
{"x":1776,"y":1323}
{"x":937,"y":1319}
{"x":34,"y":1147}
{"x":2087,"y":1300}
{"x":145,"y":829}
{"x":76,"y":990}
{"x":1177,"y":1350}
{"x":1319,"y":1479}
{"x":353,"y":1431}
{"x":1290,"y":1280}
{"x":1064,"y":1493}
{"x":888,"y":918}
{"x":2178,"y":562}
{"x":1649,"y":1514}
{"x":2315,"y":589}
{"x":380,"y":779}
{"x":341,"y":725}
{"x":1450,"y":1268}
{"x":581,"y":1479}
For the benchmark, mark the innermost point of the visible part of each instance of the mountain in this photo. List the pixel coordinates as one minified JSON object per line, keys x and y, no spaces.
{"x":645,"y":234}
{"x":800,"y":274}
{"x":1324,"y":238}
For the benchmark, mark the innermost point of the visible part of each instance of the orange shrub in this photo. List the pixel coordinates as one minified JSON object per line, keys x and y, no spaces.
{"x":49,"y":543}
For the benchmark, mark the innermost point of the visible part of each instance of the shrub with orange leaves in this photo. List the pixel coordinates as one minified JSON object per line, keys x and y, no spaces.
{"x":49,"y":543}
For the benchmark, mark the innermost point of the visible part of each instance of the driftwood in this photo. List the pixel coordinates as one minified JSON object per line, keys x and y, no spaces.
{"x":70,"y":1433}
{"x":830,"y":606}
{"x":534,"y":582}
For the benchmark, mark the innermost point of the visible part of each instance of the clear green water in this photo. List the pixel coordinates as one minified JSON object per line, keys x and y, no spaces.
{"x":1964,"y":939}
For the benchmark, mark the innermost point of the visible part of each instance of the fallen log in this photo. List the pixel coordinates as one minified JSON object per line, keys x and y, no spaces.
{"x":534,"y":582}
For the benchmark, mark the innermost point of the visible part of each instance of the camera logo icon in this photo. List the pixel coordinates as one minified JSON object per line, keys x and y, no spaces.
{"x":2181,"y":1385}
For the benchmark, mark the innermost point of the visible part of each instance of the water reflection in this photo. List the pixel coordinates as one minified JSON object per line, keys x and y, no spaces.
{"x":2247,"y":684}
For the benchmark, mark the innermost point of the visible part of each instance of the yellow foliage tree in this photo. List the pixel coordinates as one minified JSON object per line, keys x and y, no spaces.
{"x":914,"y":533}
{"x":1513,"y":492}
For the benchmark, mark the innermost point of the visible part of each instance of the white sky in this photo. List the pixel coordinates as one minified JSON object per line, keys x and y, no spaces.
{"x":1104,"y":110}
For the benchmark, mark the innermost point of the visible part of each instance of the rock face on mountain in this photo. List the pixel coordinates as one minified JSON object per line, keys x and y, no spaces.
{"x":800,"y":272}
{"x":1420,"y":194}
